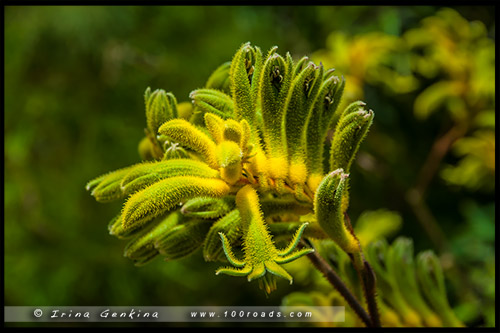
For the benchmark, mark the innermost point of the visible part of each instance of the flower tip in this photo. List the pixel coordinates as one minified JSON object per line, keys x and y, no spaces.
{"x":336,"y":172}
{"x":368,"y":114}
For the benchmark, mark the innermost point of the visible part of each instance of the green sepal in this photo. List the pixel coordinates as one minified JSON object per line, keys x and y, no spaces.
{"x":208,"y":208}
{"x":244,"y":271}
{"x":164,"y":195}
{"x":183,"y":239}
{"x":353,"y":107}
{"x":275,"y":269}
{"x":295,"y":240}
{"x":227,"y":247}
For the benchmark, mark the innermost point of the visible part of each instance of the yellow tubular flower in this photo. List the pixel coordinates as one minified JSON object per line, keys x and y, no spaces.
{"x":261,"y":255}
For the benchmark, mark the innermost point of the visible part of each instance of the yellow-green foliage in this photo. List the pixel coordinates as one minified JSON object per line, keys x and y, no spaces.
{"x":449,"y":64}
{"x":410,"y":286}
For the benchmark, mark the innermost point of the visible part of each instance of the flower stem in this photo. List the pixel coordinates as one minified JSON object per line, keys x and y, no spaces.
{"x":369,"y":285}
{"x":337,"y":283}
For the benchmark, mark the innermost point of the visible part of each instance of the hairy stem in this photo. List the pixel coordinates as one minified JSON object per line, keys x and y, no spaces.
{"x":370,"y":288}
{"x":367,"y":278}
{"x":337,"y":283}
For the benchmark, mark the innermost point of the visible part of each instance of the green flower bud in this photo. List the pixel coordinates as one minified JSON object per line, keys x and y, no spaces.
{"x":115,"y":228}
{"x":106,"y":188}
{"x":329,"y":213}
{"x":141,"y":249}
{"x":349,"y":133}
{"x":141,"y":175}
{"x":155,"y":200}
{"x":274,"y":87}
{"x":184,"y":239}
{"x":244,"y":75}
{"x":208,"y":208}
{"x":160,"y":107}
{"x":322,"y":112}
{"x":303,"y":93}
{"x":213,"y":101}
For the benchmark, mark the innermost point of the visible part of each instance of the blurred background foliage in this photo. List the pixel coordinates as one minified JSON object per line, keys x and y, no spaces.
{"x":74,"y":83}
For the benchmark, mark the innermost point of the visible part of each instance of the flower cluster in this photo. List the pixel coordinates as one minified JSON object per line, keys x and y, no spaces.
{"x":241,"y":168}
